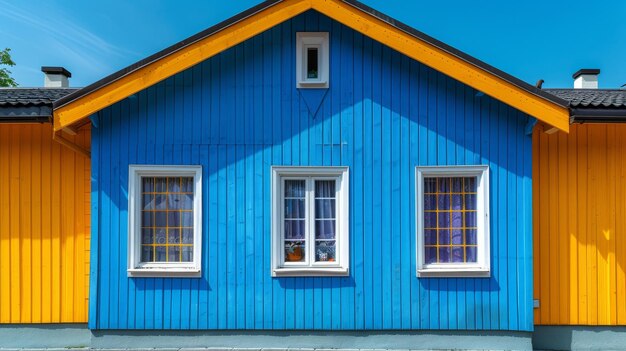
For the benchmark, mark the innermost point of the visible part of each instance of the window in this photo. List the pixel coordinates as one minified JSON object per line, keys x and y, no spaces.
{"x":310,"y":221}
{"x":164,"y":221}
{"x":312,"y":59}
{"x":452,"y":221}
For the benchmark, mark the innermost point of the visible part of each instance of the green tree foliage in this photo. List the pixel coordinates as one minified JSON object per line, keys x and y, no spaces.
{"x":5,"y":75}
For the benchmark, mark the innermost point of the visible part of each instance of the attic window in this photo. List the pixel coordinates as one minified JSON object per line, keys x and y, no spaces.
{"x":312,"y":59}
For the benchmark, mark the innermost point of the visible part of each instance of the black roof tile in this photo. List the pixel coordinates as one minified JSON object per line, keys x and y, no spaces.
{"x":32,"y":96}
{"x":592,"y":98}
{"x":29,"y":104}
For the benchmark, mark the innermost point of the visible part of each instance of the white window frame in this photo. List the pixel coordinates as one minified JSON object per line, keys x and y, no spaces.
{"x":340,"y":267}
{"x":319,"y":40}
{"x":482,"y":267}
{"x":136,"y":268}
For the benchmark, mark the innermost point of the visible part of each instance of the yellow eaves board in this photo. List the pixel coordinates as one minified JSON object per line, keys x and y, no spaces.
{"x":365,"y":23}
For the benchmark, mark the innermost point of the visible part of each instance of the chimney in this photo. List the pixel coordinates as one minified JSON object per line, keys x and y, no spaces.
{"x":56,"y":77}
{"x":586,"y":78}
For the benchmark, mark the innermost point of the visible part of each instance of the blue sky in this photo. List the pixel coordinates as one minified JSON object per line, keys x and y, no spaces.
{"x":529,"y":39}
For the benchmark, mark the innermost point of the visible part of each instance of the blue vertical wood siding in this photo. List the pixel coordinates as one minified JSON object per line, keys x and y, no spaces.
{"x":239,"y":113}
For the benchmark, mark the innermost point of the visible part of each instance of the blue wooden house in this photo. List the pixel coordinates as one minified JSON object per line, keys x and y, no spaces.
{"x":311,"y":174}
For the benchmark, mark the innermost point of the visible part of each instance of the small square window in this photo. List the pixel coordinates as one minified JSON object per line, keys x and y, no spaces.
{"x":452,"y":221}
{"x":310,"y":221}
{"x":164,"y":231}
{"x":312,"y":59}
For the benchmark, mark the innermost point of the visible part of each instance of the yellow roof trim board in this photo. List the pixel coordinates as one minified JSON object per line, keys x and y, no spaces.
{"x":397,"y":36}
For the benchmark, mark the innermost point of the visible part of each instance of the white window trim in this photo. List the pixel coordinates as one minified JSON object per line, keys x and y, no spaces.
{"x":341,"y":266}
{"x":318,"y":40}
{"x":482,"y":268}
{"x":162,"y":269}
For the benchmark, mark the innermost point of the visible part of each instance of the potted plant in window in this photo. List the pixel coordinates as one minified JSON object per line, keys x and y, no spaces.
{"x":294,"y":251}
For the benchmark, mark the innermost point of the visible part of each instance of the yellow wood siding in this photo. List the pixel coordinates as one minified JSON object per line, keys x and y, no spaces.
{"x":579,"y":209}
{"x":44,"y":226}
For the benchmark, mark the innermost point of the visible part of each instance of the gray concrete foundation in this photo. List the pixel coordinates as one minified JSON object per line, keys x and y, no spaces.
{"x":579,"y":338}
{"x":78,"y":336}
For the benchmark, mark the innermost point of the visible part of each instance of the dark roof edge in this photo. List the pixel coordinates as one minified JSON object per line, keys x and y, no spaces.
{"x":165,"y":52}
{"x":251,"y":11}
{"x":26,"y":119}
{"x":56,"y":70}
{"x":587,"y":115}
{"x":585,"y":71}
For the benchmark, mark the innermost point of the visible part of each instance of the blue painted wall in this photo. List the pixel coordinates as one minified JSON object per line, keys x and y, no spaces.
{"x":239,"y":113}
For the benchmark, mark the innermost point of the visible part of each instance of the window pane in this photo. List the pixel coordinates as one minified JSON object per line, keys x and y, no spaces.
{"x":187,"y":185}
{"x":167,"y":219}
{"x":147,"y":219}
{"x":470,"y":219}
{"x":430,"y":220}
{"x":430,"y":254}
{"x":294,"y":209}
{"x":147,"y":184}
{"x":470,"y":185}
{"x":148,"y":202}
{"x":443,"y":201}
{"x":295,"y":251}
{"x":430,"y":202}
{"x":160,"y":202}
{"x":457,"y":184}
{"x":444,"y":236}
{"x":444,"y":254}
{"x":160,"y":236}
{"x":450,"y":219}
{"x":470,"y":254}
{"x":430,"y":185}
{"x":173,"y":254}
{"x":147,"y":236}
{"x":173,"y":236}
{"x":325,"y":189}
{"x":160,"y":218}
{"x":187,"y":219}
{"x":457,"y":254}
{"x":325,"y":229}
{"x":160,"y":184}
{"x":174,"y":219}
{"x":146,"y":253}
{"x":470,"y":237}
{"x":324,"y":208}
{"x":311,"y":63}
{"x":160,"y":254}
{"x":470,"y":202}
{"x":295,"y":188}
{"x":294,"y":229}
{"x":457,"y":236}
{"x":325,"y":251}
{"x":457,"y":219}
{"x":430,"y":237}
{"x":187,"y":252}
{"x":180,"y":201}
{"x":187,"y":236}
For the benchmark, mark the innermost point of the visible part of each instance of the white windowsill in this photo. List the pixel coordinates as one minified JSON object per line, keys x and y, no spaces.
{"x":454,"y":272}
{"x":310,"y":272}
{"x":178,"y":272}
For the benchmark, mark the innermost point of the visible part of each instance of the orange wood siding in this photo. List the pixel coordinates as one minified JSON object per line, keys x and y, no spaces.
{"x":579,"y":209}
{"x":44,"y":226}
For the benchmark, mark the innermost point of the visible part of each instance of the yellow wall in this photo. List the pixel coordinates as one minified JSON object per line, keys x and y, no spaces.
{"x":44,"y":227}
{"x":579,"y":209}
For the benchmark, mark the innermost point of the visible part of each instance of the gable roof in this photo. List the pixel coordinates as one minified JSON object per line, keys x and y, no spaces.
{"x":22,"y":105}
{"x":75,"y":108}
{"x":594,"y":105}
